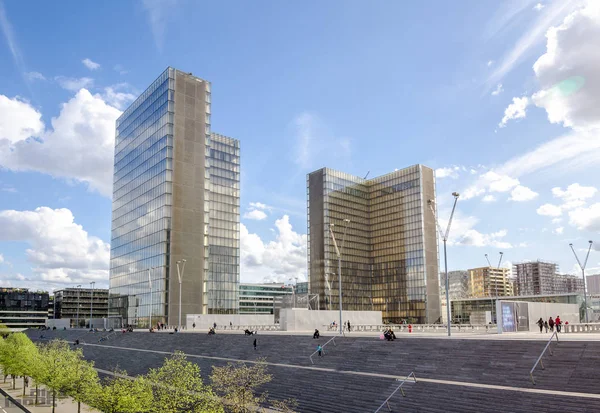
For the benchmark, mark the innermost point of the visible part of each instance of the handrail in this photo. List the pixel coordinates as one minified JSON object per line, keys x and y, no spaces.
{"x":322,"y":348}
{"x":387,"y":401}
{"x":539,"y":360}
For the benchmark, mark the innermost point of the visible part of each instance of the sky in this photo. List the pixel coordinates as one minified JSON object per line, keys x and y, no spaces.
{"x":502,"y":99}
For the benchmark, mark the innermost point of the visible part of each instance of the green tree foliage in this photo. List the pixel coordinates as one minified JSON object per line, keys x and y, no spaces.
{"x":177,"y":387}
{"x":119,"y":394}
{"x":82,"y":377}
{"x":18,"y":352}
{"x":238,"y":385}
{"x":4,"y":331}
{"x":55,"y":363}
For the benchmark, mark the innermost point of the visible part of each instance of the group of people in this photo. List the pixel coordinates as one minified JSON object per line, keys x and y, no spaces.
{"x":334,"y":326}
{"x":389,"y":335}
{"x":550,"y":324}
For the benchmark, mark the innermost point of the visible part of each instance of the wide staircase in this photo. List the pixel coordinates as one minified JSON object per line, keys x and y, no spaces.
{"x":331,"y":385}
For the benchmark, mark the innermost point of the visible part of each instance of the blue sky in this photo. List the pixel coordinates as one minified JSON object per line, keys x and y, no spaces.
{"x":504,"y":102}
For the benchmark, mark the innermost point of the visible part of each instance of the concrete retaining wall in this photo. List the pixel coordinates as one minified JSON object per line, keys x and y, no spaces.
{"x":205,"y":321}
{"x":300,"y":319}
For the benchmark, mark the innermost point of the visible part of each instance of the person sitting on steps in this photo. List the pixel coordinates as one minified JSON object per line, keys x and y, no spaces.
{"x":316,"y":334}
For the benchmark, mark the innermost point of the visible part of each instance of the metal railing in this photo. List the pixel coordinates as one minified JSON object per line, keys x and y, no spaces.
{"x":539,"y":360}
{"x":425,"y":328}
{"x":332,"y":339}
{"x":402,"y":381}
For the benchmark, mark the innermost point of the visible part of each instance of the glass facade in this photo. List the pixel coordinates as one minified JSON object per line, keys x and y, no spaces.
{"x":142,"y":198}
{"x":259,"y":298}
{"x":175,"y":196}
{"x":224,"y":230}
{"x":383,"y":247}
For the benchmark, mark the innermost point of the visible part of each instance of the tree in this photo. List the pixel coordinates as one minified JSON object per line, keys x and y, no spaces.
{"x":177,"y":387}
{"x":238,"y":384}
{"x":119,"y":394}
{"x":18,"y":352}
{"x":54,"y":366}
{"x":4,"y":331}
{"x":82,"y":376}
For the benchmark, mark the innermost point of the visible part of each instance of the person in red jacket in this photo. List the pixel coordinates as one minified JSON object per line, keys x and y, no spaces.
{"x":558,"y":324}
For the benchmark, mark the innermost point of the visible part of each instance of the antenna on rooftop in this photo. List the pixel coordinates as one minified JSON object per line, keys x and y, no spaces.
{"x":368,"y":172}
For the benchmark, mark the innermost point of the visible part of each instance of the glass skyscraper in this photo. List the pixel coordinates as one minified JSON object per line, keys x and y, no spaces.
{"x":175,"y":197}
{"x":388,"y":247}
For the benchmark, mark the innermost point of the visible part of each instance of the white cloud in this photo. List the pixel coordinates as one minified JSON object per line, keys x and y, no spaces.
{"x":158,"y":14}
{"x":522,"y":193}
{"x":119,"y":95}
{"x":18,"y":120}
{"x":31,"y":76}
{"x":556,"y":220}
{"x":74,"y":84}
{"x":586,"y":218}
{"x":475,"y":238}
{"x":259,"y":205}
{"x":61,"y":251}
{"x":255,"y":214}
{"x":575,"y":195}
{"x":559,"y":230}
{"x":277,"y":260}
{"x":568,"y":73}
{"x":1,"y":258}
{"x":538,"y":7}
{"x":549,"y":210}
{"x":499,"y":89}
{"x":9,"y":35}
{"x":80,"y":145}
{"x":449,"y":172}
{"x":314,"y":142}
{"x":489,"y":198}
{"x":516,"y":110}
{"x":495,"y":182}
{"x":490,"y":63}
{"x":90,"y":64}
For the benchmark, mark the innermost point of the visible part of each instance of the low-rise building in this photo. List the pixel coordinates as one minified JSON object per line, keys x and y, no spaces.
{"x":79,"y":303}
{"x":258,"y":298}
{"x":21,"y":308}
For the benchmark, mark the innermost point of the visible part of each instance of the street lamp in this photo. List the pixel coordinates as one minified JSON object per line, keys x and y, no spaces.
{"x":583,"y":274}
{"x":180,"y":276}
{"x":444,"y":237}
{"x":495,"y":282}
{"x":339,"y":256}
{"x":92,"y":284}
{"x":78,"y":292}
{"x":151,"y":303}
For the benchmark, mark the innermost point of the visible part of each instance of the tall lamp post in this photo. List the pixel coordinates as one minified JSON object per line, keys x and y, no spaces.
{"x":180,"y":277}
{"x":496,"y":282}
{"x":151,"y":301}
{"x":78,"y":293}
{"x":92,"y":284}
{"x":339,"y":257}
{"x":583,"y":274}
{"x":444,"y":236}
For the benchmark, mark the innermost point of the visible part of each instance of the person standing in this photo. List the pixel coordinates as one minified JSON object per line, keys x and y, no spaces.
{"x":348,"y":325}
{"x":540,"y":323}
{"x":551,"y":324}
{"x":194,"y":326}
{"x":320,"y":350}
{"x":546,"y":325}
{"x":254,"y":344}
{"x":558,"y":324}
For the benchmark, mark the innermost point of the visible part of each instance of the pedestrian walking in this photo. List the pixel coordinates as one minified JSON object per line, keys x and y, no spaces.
{"x":215,"y":326}
{"x":558,"y":324}
{"x":230,"y":325}
{"x":551,"y":324}
{"x":546,"y":326}
{"x":254,"y":344}
{"x":540,"y":323}
{"x":348,"y":325}
{"x":320,"y":350}
{"x":194,"y":326}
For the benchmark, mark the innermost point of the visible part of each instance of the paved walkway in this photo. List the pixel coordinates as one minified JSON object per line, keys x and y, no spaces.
{"x":66,"y":405}
{"x":378,"y":375}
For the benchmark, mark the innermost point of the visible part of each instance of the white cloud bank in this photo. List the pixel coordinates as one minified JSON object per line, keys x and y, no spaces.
{"x":90,"y":64}
{"x":516,"y":110}
{"x":60,"y":250}
{"x":80,"y":145}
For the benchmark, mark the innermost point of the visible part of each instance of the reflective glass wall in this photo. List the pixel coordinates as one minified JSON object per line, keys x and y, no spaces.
{"x":142,"y":188}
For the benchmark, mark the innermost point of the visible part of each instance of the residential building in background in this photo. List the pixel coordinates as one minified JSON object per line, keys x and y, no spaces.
{"x":302,"y":287}
{"x":490,"y":282}
{"x":536,"y":277}
{"x":21,"y":308}
{"x":458,"y":283}
{"x":566,"y":283}
{"x":175,"y":196}
{"x":593,"y":284}
{"x":78,"y":303}
{"x":258,"y":298}
{"x":388,"y":248}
